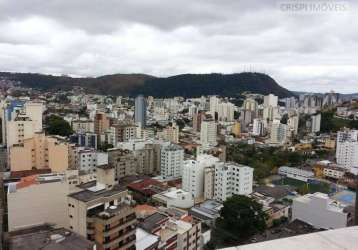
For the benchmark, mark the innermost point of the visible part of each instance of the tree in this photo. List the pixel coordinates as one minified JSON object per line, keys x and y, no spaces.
{"x":56,"y":125}
{"x":240,"y":218}
{"x":284,"y":119}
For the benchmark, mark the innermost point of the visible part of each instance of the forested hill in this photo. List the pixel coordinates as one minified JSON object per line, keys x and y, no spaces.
{"x":187,"y":85}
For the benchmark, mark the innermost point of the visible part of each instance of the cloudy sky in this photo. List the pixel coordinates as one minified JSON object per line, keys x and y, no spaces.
{"x":307,"y":50}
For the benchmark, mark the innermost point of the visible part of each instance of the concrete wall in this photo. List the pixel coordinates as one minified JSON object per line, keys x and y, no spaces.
{"x":38,"y":203}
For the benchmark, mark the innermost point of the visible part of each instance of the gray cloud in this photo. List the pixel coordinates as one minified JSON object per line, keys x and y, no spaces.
{"x":302,"y":51}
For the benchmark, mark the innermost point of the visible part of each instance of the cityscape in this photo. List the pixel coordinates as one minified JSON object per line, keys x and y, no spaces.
{"x":181,"y":125}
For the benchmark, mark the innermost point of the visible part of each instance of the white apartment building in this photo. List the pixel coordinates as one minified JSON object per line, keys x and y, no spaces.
{"x":347,"y":149}
{"x":171,"y":160}
{"x":316,"y":123}
{"x":22,"y":122}
{"x":296,"y":173}
{"x":334,"y":172}
{"x":319,"y":211}
{"x":270,"y":100}
{"x":270,"y":113}
{"x":258,"y":127}
{"x":226,"y":111}
{"x":88,"y":159}
{"x":232,"y":178}
{"x":292,"y":123}
{"x":213,"y":105}
{"x":193,"y":174}
{"x":208,"y":133}
{"x":278,"y":132}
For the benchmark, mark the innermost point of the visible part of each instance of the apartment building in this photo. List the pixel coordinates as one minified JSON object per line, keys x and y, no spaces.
{"x":208,"y":133}
{"x":101,"y":123}
{"x":40,"y":152}
{"x":123,"y":161}
{"x":258,"y":128}
{"x":88,"y":158}
{"x":148,"y":159}
{"x":171,"y":160}
{"x":39,"y":199}
{"x":236,"y":129}
{"x":197,"y":119}
{"x":278,"y":132}
{"x":125,"y":131}
{"x":170,"y":133}
{"x":84,"y":210}
{"x":209,"y":181}
{"x":193,"y":174}
{"x":83,"y":126}
{"x":182,"y":233}
{"x":114,"y":227}
{"x":20,"y":120}
{"x":347,"y":149}
{"x":88,"y":140}
{"x":232,"y":178}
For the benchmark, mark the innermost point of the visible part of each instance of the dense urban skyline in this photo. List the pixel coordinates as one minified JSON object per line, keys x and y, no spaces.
{"x":302,"y":50}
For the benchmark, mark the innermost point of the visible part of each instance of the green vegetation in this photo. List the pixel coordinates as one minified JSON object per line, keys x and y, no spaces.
{"x":277,"y":222}
{"x":265,"y":161}
{"x":303,"y":187}
{"x":187,"y":85}
{"x":330,"y":123}
{"x":240,"y":218}
{"x":56,"y":125}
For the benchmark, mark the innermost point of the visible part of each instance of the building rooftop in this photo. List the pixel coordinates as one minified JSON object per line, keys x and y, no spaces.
{"x":46,"y":238}
{"x":144,"y":239}
{"x":338,"y":239}
{"x":153,"y":222}
{"x":207,"y":210}
{"x":88,"y":195}
{"x":277,"y":192}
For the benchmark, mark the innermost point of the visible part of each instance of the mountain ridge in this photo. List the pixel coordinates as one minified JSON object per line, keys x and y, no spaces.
{"x":187,"y":85}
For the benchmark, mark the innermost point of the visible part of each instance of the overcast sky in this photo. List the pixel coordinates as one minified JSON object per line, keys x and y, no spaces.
{"x":301,"y":50}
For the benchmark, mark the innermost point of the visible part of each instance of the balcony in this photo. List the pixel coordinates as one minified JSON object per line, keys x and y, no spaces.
{"x":119,"y":227}
{"x":129,"y":236}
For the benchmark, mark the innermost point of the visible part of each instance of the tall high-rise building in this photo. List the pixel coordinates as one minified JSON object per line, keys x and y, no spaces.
{"x":209,"y":181}
{"x":316,"y":123}
{"x":236,"y":129}
{"x":172,"y":160}
{"x":270,"y":100}
{"x":347,"y":149}
{"x":214,"y":103}
{"x":250,"y":104}
{"x":278,"y":132}
{"x":208,"y":133}
{"x":226,"y":111}
{"x":193,"y":174}
{"x":140,"y":111}
{"x":292,"y":123}
{"x":197,"y":119}
{"x":258,"y":128}
{"x":124,"y":162}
